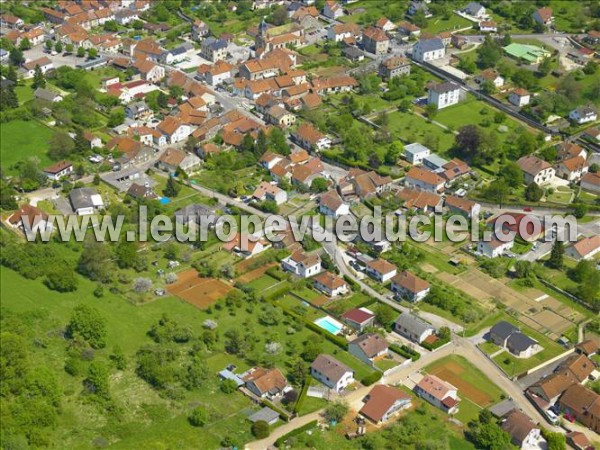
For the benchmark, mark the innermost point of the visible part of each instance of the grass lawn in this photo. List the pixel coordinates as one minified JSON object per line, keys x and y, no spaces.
{"x":468,"y":375}
{"x":263,"y":283}
{"x":24,"y":93}
{"x":455,"y":22}
{"x":385,"y":364}
{"x":489,"y":348}
{"x":343,"y":305}
{"x":20,"y":139}
{"x":412,"y":128}
{"x":312,"y":404}
{"x":560,"y":197}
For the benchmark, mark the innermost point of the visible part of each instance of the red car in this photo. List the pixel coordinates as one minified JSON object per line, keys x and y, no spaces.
{"x":527,"y":209}
{"x":569,"y":417}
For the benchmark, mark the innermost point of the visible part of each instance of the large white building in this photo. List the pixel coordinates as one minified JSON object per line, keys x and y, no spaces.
{"x":332,"y":373}
{"x":429,"y":50}
{"x":444,"y":94}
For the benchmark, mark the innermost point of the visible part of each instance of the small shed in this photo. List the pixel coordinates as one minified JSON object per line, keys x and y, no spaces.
{"x":266,"y":414}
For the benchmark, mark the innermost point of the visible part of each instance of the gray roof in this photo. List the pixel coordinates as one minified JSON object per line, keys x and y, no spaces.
{"x":519,"y":342}
{"x":413,"y":323}
{"x":473,"y":8}
{"x":266,"y":414}
{"x":434,"y":161}
{"x":442,"y":88}
{"x":585,"y":110}
{"x":430,"y":45}
{"x":353,"y":52}
{"x":412,"y":149}
{"x":503,"y":329}
{"x":82,"y":198}
{"x":330,"y":367}
{"x":182,"y":49}
{"x":45,"y":94}
{"x":226,"y":374}
{"x":195,"y":210}
{"x":503,"y":408}
{"x":215,"y":44}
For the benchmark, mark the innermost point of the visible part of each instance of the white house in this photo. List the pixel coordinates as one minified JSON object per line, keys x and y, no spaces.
{"x":488,"y":26}
{"x":413,"y":327}
{"x":424,"y":179}
{"x":584,"y":114}
{"x":174,"y":130}
{"x":494,"y":248}
{"x":415,"y":153}
{"x":444,"y":94}
{"x":591,"y":182}
{"x":572,"y":169}
{"x":269,"y":160}
{"x":44,"y":63}
{"x":492,"y":76}
{"x":332,"y":373}
{"x":409,"y":286}
{"x":57,"y":171}
{"x":330,"y":284}
{"x":332,"y":10}
{"x":536,"y":170}
{"x":268,"y":191}
{"x":30,"y":219}
{"x":331,"y":204}
{"x":429,"y":50}
{"x":85,"y":201}
{"x":368,"y":348}
{"x":585,"y":248}
{"x":308,"y":137}
{"x":439,"y":393}
{"x":302,"y":264}
{"x":523,"y":431}
{"x":519,"y":97}
{"x":475,"y":9}
{"x":383,"y":402}
{"x":381,"y":270}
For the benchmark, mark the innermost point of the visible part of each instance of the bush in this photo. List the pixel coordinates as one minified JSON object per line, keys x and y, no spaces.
{"x":198,"y":417}
{"x":228,"y":386}
{"x":260,"y":429}
{"x":405,"y":351}
{"x":281,"y":441}
{"x":372,"y":378}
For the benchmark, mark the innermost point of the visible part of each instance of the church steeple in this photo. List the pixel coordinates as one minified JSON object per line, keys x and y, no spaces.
{"x":262,"y":28}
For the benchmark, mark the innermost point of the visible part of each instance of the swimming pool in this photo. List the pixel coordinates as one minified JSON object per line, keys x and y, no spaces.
{"x":165,"y":200}
{"x":329,"y":324}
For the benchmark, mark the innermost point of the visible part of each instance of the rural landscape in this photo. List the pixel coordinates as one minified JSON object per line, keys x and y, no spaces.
{"x":183,"y":120}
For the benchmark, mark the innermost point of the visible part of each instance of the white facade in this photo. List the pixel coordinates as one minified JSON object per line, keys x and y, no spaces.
{"x":337,"y":385}
{"x":415,"y":153}
{"x":342,"y":210}
{"x":445,"y":98}
{"x":583,"y":115}
{"x":180,"y":134}
{"x":493,"y":249}
{"x":519,"y":100}
{"x":381,"y":277}
{"x":422,"y":52}
{"x":299,"y":268}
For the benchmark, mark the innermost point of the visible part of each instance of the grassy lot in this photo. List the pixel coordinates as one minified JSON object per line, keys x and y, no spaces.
{"x":24,"y":93}
{"x":344,"y":304}
{"x":412,"y":128}
{"x":21,"y":139}
{"x":455,"y":22}
{"x":263,"y":283}
{"x":489,"y":348}
{"x":312,"y":404}
{"x":385,"y":364}
{"x":469,"y":407}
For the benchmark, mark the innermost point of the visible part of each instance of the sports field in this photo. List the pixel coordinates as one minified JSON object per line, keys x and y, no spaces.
{"x":200,"y":292}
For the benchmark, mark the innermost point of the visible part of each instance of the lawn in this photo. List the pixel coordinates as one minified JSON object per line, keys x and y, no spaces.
{"x":476,"y":389}
{"x":24,"y":93}
{"x":489,"y":348}
{"x":412,"y":128}
{"x":263,"y":283}
{"x":20,"y":139}
{"x":455,"y":22}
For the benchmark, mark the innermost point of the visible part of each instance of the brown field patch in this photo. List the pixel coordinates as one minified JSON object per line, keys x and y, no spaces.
{"x":320,"y":300}
{"x":451,"y":372}
{"x":254,"y":274}
{"x":200,"y":292}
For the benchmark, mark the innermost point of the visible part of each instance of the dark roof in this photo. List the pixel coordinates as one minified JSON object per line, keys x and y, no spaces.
{"x":82,"y":198}
{"x":519,"y":342}
{"x":215,"y":44}
{"x":503,"y":329}
{"x":413,"y":323}
{"x":330,"y":367}
{"x":430,"y":45}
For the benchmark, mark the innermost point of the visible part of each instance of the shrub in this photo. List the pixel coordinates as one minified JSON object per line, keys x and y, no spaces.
{"x":198,"y":417}
{"x":260,"y":429}
{"x":281,"y":441}
{"x":372,"y":378}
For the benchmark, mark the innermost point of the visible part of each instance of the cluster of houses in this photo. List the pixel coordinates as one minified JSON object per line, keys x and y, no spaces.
{"x":507,"y":336}
{"x":564,"y":391}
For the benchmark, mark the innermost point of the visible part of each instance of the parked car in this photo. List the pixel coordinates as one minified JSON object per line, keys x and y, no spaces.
{"x":569,"y":417}
{"x":527,"y":209}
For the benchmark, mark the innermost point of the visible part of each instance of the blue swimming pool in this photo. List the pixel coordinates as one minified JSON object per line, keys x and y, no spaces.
{"x":165,"y":200}
{"x":330,"y":324}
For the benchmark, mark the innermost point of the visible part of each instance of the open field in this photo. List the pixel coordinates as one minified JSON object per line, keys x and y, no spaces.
{"x":472,"y":384}
{"x":255,"y":274}
{"x":20,"y":139}
{"x":200,"y":292}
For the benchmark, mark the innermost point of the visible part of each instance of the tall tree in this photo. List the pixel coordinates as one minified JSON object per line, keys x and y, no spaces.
{"x":556,"y":255}
{"x":39,"y":80}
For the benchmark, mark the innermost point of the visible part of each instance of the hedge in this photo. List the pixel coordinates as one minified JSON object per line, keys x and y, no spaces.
{"x":279,"y":292}
{"x":276,"y":273}
{"x":436,"y":344}
{"x":302,"y":396}
{"x":353,"y":284}
{"x":283,"y":414}
{"x":281,"y":441}
{"x":405,"y":351}
{"x":372,"y":378}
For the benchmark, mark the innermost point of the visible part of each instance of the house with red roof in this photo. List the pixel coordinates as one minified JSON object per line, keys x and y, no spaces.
{"x":330,"y":284}
{"x":359,"y":318}
{"x":384,"y":402}
{"x":439,"y":393}
{"x":29,"y":218}
{"x":585,"y":248}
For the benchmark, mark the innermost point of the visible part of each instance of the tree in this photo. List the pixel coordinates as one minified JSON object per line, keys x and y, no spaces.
{"x":336,"y":411}
{"x":8,"y":98}
{"x":190,"y":144}
{"x":595,"y":168}
{"x":523,"y":269}
{"x":261,"y":144}
{"x":385,"y":315}
{"x":25,"y":44}
{"x":39,"y":80}
{"x":590,"y":68}
{"x":247,"y":144}
{"x":198,"y":417}
{"x":393,"y":153}
{"x":96,"y":382}
{"x":92,"y":53}
{"x":496,"y":191}
{"x":580,"y":210}
{"x":260,"y":429}
{"x":319,"y":184}
{"x":80,"y":52}
{"x":142,"y":285}
{"x":444,"y":333}
{"x":556,"y":255}
{"x":48,"y":45}
{"x":545,"y":67}
{"x":172,"y":189}
{"x":118,"y":358}
{"x":87,"y":323}
{"x":228,"y":386}
{"x":11,"y":74}
{"x":162,"y":100}
{"x":419,"y":19}
{"x":69,"y":48}
{"x":279,"y":16}
{"x":61,"y":145}
{"x":588,"y":289}
{"x":555,"y":440}
{"x":533,"y":192}
{"x":116,"y":118}
{"x":488,"y":87}
{"x":16,"y":57}
{"x":58,"y":47}
{"x":126,"y":254}
{"x":488,"y":53}
{"x":486,"y":434}
{"x":582,"y":271}
{"x":94,"y":261}
{"x":62,"y":279}
{"x":431,"y":110}
{"x":277,"y":141}
{"x":512,"y":174}
{"x":469,"y":139}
